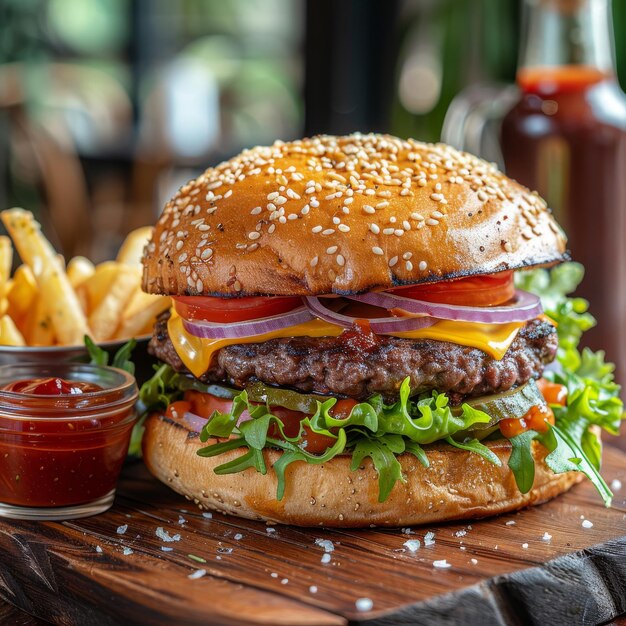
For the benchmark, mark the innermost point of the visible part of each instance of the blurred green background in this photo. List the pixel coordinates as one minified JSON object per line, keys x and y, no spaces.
{"x":106,"y":106}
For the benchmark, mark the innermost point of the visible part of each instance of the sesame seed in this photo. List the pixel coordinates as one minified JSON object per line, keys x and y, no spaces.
{"x":292,"y":194}
{"x":179,"y":245}
{"x":228,"y":194}
{"x":282,"y":219}
{"x":407,"y":255}
{"x":417,"y":216}
{"x":437,"y":214}
{"x":292,"y":216}
{"x":482,"y":195}
{"x":336,"y":220}
{"x":273,"y":195}
{"x":199,"y":285}
{"x":237,"y":286}
{"x":398,"y":232}
{"x":436,"y":196}
{"x":388,"y":231}
{"x":344,"y":228}
{"x":328,"y":231}
{"x":409,"y":266}
{"x":422,"y":182}
{"x":377,"y":250}
{"x":204,"y":227}
{"x":422,"y":266}
{"x":316,"y":229}
{"x":340,"y":260}
{"x":254,"y":235}
{"x":182,"y":257}
{"x":206,"y":253}
{"x":393,"y":261}
{"x":406,"y":225}
{"x":382,"y":205}
{"x":375,"y":228}
{"x":331,"y":250}
{"x":280,"y":200}
{"x":314,"y":261}
{"x":256,"y":210}
{"x":348,"y":200}
{"x":369,"y":209}
{"x":507,"y":246}
{"x":305,"y":209}
{"x":271,"y":229}
{"x":432,"y":222}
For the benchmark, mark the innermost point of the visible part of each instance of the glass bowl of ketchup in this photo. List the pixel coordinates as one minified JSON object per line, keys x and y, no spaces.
{"x":64,"y":433}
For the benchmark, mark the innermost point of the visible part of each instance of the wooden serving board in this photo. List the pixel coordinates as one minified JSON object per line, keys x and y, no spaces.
{"x":503,"y":570}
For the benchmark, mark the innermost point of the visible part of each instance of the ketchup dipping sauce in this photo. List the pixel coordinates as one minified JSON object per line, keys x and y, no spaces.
{"x":64,"y":434}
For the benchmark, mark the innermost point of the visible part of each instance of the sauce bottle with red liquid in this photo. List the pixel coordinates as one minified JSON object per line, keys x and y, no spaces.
{"x":566,"y":138}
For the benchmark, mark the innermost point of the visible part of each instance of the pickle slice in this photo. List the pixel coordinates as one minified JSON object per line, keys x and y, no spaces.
{"x":306,"y":403}
{"x":514,"y":403}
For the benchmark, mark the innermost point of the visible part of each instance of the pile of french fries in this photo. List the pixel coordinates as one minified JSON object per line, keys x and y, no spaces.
{"x":46,"y":303}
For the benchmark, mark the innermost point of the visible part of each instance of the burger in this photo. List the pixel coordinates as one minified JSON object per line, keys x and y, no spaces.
{"x":357,"y":338}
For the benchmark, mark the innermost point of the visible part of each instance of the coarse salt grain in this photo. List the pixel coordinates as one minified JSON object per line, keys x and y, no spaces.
{"x":413,"y":545}
{"x":207,"y":515}
{"x":312,"y":589}
{"x":166,"y":548}
{"x":284,"y":581}
{"x":238,"y":536}
{"x":122,"y":529}
{"x":127,"y":551}
{"x":325,"y":557}
{"x":442,"y":564}
{"x":364,"y":604}
{"x":616,"y":484}
{"x":98,"y":549}
{"x":510,"y":523}
{"x":429,"y":538}
{"x":326,"y":544}
{"x":162,"y":534}
{"x":546,"y":536}
{"x":525,"y":546}
{"x":199,"y":573}
{"x":587,"y":524}
{"x":474,"y":561}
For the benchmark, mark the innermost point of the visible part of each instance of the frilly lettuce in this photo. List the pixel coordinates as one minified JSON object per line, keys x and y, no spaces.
{"x":372,"y":429}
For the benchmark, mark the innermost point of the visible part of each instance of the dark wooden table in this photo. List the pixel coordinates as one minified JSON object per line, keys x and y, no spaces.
{"x":503,"y":570}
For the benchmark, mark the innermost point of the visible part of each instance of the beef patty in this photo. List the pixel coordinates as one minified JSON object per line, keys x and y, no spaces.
{"x":335,"y":366}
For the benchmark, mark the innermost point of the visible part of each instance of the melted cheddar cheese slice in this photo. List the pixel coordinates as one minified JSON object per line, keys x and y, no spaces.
{"x":196,"y":353}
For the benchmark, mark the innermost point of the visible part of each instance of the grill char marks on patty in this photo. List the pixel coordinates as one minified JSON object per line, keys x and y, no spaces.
{"x":329,"y":366}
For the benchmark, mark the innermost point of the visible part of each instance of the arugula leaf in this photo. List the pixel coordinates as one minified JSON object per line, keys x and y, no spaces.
{"x":384,"y":460}
{"x":521,"y":461}
{"x":121,"y":359}
{"x":566,"y":455}
{"x":97,"y":355}
{"x":473,"y":445}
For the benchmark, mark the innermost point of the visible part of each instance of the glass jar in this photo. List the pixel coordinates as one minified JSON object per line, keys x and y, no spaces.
{"x":61,"y":455}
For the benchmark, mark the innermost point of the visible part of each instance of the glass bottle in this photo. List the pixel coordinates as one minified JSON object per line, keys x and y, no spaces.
{"x":566,"y":138}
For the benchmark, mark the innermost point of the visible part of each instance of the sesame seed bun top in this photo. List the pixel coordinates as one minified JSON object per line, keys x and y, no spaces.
{"x":343,"y":215}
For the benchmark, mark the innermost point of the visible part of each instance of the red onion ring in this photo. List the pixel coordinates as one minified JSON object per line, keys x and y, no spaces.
{"x":527,"y":306}
{"x":379,"y":325}
{"x":249,"y":328}
{"x":195,"y":423}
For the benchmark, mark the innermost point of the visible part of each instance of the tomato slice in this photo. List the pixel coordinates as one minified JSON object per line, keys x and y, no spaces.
{"x":311,"y":442}
{"x":212,"y":309}
{"x":488,"y":290}
{"x":553,"y":393}
{"x":204,"y":404}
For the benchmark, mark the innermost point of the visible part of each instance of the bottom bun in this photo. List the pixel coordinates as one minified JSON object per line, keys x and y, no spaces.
{"x":457,"y":485}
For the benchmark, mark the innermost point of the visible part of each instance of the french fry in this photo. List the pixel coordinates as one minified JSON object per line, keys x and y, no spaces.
{"x":34,"y":249}
{"x":68,"y":319}
{"x":140,"y":313}
{"x":131,"y":250}
{"x":105,"y":318}
{"x":79,"y":269}
{"x":21,"y":296}
{"x":9,"y":333}
{"x":96,"y":287}
{"x":39,"y":329}
{"x":6,"y":262}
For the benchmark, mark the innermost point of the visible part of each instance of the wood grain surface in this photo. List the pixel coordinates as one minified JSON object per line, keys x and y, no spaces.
{"x":504,"y":570}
